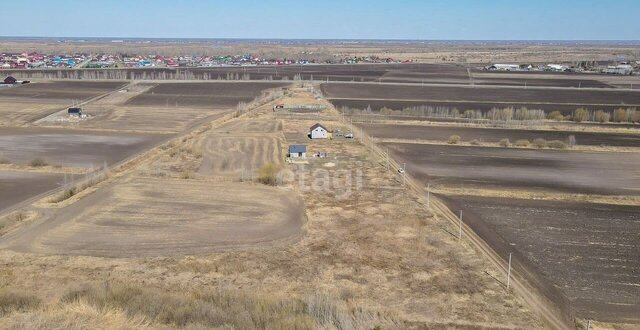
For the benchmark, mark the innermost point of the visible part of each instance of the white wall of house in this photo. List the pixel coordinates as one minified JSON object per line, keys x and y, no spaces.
{"x":319,"y":133}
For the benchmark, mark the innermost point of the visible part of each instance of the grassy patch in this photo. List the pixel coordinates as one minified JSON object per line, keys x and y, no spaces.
{"x":11,"y":301}
{"x":215,"y":308}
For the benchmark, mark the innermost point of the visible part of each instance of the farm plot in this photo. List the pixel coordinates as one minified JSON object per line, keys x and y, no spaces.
{"x":483,"y":98}
{"x":238,"y":155}
{"x":159,"y":119}
{"x":503,"y":168}
{"x":59,"y":90}
{"x":16,"y":187}
{"x":442,"y":133}
{"x":72,"y":148}
{"x":17,"y":113}
{"x":154,"y":217}
{"x":589,"y":251}
{"x":202,"y":95}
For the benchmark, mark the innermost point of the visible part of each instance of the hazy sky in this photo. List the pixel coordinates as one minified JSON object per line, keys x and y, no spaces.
{"x":330,"y":19}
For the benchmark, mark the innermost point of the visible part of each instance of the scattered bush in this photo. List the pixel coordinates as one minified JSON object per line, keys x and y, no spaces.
{"x":268,"y":174}
{"x":580,"y":115}
{"x":454,"y":139}
{"x":505,"y":143}
{"x":555,"y":115}
{"x":540,"y":143}
{"x":620,"y":115}
{"x":522,"y":143}
{"x":602,"y":116}
{"x":38,"y":162}
{"x":475,"y":142}
{"x":556,"y":144}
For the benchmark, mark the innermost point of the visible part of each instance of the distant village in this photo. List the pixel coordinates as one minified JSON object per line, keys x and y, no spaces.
{"x":621,"y":68}
{"x":36,"y":60}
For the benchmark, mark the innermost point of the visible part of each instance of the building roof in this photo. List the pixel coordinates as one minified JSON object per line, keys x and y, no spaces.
{"x":10,"y":80}
{"x":297,"y":148}
{"x":318,"y":125}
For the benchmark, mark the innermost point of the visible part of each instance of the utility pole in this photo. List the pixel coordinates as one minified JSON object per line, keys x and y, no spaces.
{"x":460,"y":234}
{"x":509,"y":273}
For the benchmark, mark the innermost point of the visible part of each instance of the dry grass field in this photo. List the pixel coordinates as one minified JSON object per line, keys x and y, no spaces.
{"x":172,"y":217}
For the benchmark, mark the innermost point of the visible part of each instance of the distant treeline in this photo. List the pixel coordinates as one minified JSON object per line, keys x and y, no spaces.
{"x":507,"y":114}
{"x":151,"y":74}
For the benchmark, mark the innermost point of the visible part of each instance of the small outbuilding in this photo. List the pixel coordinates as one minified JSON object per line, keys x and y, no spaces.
{"x":298,"y":151}
{"x":10,"y":80}
{"x":318,"y":132}
{"x":75,"y":112}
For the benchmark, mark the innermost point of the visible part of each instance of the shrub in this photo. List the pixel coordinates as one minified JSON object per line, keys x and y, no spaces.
{"x":556,"y":115}
{"x":620,"y":115}
{"x":556,"y":144}
{"x":522,"y":143}
{"x":475,"y":142}
{"x":580,"y":115}
{"x":38,"y":162}
{"x":454,"y":139}
{"x":540,"y":143}
{"x":268,"y":174}
{"x":505,"y":143}
{"x":602,"y":116}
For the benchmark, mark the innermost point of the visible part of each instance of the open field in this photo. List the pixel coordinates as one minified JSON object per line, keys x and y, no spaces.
{"x":17,"y":113}
{"x":589,"y":251}
{"x":494,"y":135}
{"x":202,"y":95}
{"x":398,"y":97}
{"x":171,"y":217}
{"x":159,"y":119}
{"x":59,"y":90}
{"x":16,"y":187}
{"x":71,"y":148}
{"x":502,"y":168}
{"x":239,"y":155}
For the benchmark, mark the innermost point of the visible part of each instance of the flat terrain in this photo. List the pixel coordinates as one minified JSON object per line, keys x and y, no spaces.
{"x":158,"y":119}
{"x":59,"y":90}
{"x":202,"y":95}
{"x":18,"y":113}
{"x":72,"y":148}
{"x":508,"y":168}
{"x":442,"y":133}
{"x":16,"y":187}
{"x":589,"y":251}
{"x":398,"y":97}
{"x":240,"y":148}
{"x":151,"y":217}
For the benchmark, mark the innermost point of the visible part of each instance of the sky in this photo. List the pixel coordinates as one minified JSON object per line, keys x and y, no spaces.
{"x":326,"y":19}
